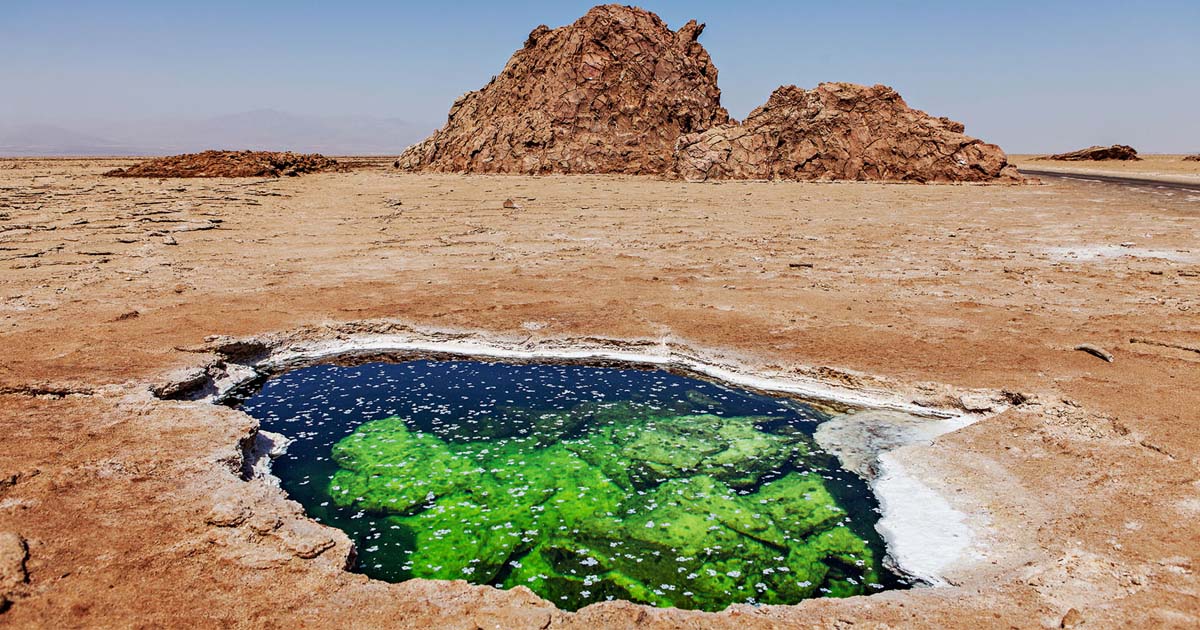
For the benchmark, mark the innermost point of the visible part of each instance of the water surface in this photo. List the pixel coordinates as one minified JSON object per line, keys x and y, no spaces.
{"x":582,"y":483}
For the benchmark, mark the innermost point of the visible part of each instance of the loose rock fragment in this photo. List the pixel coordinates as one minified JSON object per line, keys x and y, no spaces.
{"x":976,"y":402}
{"x":1095,"y":351}
{"x":1016,"y":398}
{"x":13,"y":554}
{"x":1073,"y":619}
{"x":1097,"y":153}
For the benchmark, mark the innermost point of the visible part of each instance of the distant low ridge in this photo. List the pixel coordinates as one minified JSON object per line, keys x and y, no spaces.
{"x":229,"y":164}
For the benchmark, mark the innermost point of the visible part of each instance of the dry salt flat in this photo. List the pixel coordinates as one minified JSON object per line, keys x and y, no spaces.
{"x":1076,"y":477}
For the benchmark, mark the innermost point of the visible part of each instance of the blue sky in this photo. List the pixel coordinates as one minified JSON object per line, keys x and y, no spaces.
{"x":1031,"y":76}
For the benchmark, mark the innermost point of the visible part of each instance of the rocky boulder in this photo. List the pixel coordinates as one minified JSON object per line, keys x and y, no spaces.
{"x":1097,"y":153}
{"x":229,"y":164}
{"x":840,"y":131}
{"x":1192,"y":158}
{"x":610,"y":93}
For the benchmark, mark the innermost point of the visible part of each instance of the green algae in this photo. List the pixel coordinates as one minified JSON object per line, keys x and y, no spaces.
{"x":619,"y":501}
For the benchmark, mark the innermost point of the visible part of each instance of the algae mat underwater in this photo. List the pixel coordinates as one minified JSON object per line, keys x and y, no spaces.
{"x":581,"y":483}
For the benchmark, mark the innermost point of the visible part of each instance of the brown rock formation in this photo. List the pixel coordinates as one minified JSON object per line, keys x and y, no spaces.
{"x":610,"y":93}
{"x":1192,"y":158}
{"x":229,"y":164}
{"x":840,"y":131}
{"x":1097,"y":153}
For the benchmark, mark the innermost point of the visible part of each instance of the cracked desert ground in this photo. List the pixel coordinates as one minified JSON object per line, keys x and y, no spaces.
{"x":1083,"y":500}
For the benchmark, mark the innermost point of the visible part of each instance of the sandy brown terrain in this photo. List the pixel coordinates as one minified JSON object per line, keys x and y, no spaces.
{"x":1159,"y":166}
{"x":1084,"y":499}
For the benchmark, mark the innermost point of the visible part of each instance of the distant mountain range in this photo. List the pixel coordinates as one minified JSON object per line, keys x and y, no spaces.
{"x":262,"y":129}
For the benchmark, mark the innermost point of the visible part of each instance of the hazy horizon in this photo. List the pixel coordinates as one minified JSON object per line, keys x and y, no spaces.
{"x":367,"y":77}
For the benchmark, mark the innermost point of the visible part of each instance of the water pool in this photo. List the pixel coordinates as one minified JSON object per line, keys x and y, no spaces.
{"x":581,"y":483}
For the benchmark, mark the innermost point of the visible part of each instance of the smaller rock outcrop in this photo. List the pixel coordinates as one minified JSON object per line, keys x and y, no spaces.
{"x":1192,"y":158}
{"x":229,"y":164}
{"x":1096,"y":154}
{"x":840,"y":131}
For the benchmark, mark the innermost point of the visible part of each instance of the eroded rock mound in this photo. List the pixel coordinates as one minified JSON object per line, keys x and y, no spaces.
{"x":840,"y":131}
{"x":610,"y":93}
{"x":229,"y":164}
{"x":1097,"y":153}
{"x":1192,"y":158}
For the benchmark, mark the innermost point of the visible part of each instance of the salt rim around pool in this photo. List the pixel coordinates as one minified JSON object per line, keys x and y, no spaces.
{"x":926,"y":540}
